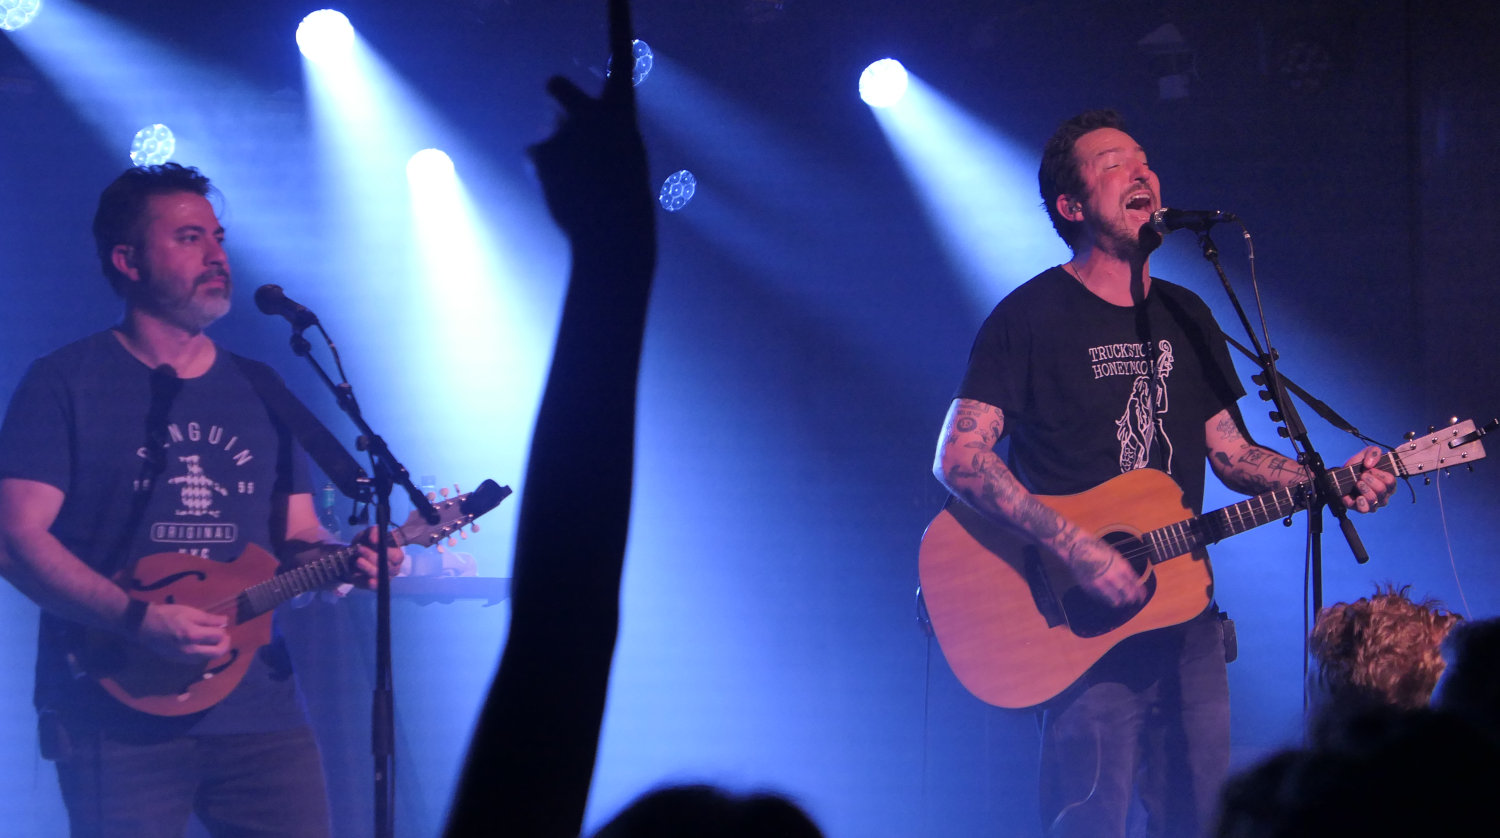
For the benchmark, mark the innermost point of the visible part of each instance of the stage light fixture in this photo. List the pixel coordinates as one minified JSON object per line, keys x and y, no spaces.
{"x":645,"y":59}
{"x":883,"y":83}
{"x":15,"y":14}
{"x":677,"y":190}
{"x":325,"y":35}
{"x":428,"y":165}
{"x":152,"y":145}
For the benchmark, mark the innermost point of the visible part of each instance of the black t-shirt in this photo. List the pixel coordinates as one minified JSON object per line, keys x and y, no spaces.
{"x":1091,"y":390}
{"x":82,"y":421}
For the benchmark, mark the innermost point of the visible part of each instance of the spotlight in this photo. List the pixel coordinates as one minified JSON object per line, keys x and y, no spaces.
{"x":325,"y":35}
{"x":15,"y":14}
{"x":428,"y":165}
{"x":883,"y":83}
{"x":645,"y":59}
{"x":152,"y":145}
{"x":677,"y":190}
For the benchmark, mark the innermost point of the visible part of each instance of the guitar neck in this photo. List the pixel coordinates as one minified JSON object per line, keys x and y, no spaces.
{"x":1208,"y":528}
{"x":326,"y":570}
{"x":449,"y":516}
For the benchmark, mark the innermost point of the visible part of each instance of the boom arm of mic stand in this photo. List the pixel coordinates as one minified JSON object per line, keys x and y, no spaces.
{"x":1325,"y":492}
{"x":369,"y":440}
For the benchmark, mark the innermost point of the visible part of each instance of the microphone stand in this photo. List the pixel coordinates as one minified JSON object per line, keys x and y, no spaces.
{"x":388,"y":472}
{"x":1325,"y":493}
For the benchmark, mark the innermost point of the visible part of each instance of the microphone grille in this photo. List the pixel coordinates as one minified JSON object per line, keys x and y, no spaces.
{"x":267,"y":298}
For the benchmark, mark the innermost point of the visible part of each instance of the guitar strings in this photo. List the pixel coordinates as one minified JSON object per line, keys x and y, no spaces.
{"x":336,"y":562}
{"x":1185,"y":533}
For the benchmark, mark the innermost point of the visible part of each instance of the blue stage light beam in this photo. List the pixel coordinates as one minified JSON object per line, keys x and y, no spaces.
{"x":449,"y":284}
{"x":462,"y":281}
{"x":977,"y":188}
{"x":375,"y":141}
{"x":115,"y":78}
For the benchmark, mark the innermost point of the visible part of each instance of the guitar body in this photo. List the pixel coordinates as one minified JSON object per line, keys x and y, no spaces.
{"x":1012,"y":623}
{"x":139,"y":678}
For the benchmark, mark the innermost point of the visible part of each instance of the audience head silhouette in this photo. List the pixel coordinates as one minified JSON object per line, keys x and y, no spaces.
{"x":702,"y":811}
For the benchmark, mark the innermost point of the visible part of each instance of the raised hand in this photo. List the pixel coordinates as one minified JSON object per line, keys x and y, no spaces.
{"x":593,"y":167}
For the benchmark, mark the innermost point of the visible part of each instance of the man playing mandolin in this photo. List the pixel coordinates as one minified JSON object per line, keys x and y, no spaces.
{"x":146,"y":439}
{"x":1075,"y":368}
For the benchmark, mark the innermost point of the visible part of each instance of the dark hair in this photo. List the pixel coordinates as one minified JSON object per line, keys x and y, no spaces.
{"x":1471,"y":685}
{"x":121,"y":217}
{"x":1376,"y":771}
{"x":1060,"y":173}
{"x":702,"y":811}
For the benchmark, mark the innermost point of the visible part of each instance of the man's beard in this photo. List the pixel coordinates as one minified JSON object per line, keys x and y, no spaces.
{"x":193,"y":311}
{"x":1130,"y":245}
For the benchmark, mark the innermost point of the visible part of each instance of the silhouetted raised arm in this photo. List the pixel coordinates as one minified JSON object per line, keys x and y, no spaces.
{"x":532,"y":756}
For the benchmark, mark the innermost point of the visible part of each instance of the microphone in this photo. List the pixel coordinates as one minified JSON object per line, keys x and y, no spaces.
{"x":1166,"y":220}
{"x":270,"y":299}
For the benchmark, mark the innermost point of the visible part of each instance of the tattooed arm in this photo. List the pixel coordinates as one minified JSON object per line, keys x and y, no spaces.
{"x":1241,"y":464}
{"x":966,"y":464}
{"x":1246,"y":467}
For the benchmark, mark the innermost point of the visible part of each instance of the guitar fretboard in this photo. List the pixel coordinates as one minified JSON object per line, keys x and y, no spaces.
{"x":1186,"y":536}
{"x":319,"y":573}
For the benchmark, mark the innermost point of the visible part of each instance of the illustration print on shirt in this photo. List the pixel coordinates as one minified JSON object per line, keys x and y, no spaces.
{"x":202,"y":461}
{"x":1141,"y":425}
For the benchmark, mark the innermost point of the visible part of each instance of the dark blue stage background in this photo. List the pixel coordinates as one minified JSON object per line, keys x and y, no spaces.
{"x":812,"y":313}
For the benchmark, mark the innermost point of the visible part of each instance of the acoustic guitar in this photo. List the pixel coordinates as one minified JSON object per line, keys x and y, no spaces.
{"x":245,"y":590}
{"x":1015,"y":627}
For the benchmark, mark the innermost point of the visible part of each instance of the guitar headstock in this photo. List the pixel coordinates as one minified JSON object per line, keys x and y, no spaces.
{"x":1455,"y":445}
{"x":454,"y":514}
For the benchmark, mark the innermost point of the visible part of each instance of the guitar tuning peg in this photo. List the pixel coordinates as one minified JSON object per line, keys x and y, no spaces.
{"x":473,"y":528}
{"x":1427,"y":481}
{"x":431,"y":496}
{"x":458,"y":491}
{"x":1453,"y":420}
{"x":1409,"y":436}
{"x":463,"y":536}
{"x":1430,"y":428}
{"x":452,"y":542}
{"x":440,"y":547}
{"x":443,"y":491}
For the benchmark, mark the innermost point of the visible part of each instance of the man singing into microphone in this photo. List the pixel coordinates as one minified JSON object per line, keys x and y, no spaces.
{"x":1089,"y":370}
{"x":148,"y":438}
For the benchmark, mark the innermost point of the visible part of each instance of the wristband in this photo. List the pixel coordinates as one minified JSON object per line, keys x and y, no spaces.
{"x":135,"y":614}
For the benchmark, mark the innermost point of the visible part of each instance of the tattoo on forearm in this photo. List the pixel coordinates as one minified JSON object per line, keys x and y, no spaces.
{"x":1228,"y":428}
{"x":1256,"y":470}
{"x":983,"y":481}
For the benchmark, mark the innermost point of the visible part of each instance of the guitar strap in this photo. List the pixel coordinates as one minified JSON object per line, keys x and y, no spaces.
{"x":165,"y":385}
{"x":1329,"y":415}
{"x":316,"y":439}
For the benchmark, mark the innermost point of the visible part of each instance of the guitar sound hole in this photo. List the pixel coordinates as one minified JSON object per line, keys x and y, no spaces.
{"x":1089,"y":616}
